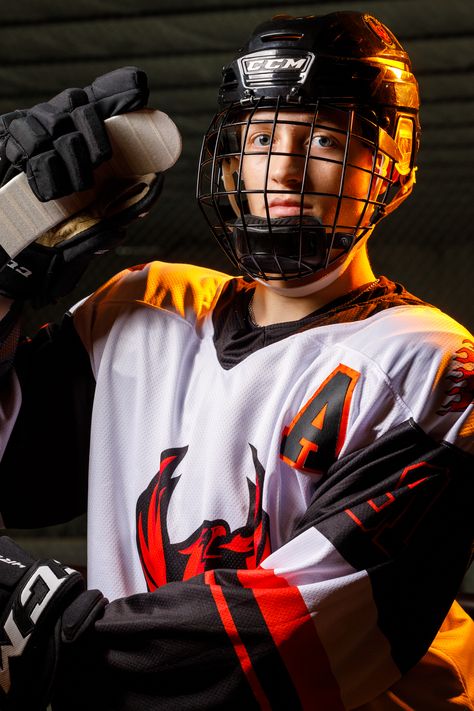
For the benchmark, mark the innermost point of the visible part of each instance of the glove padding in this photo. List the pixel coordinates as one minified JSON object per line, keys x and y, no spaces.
{"x":58,"y":143}
{"x":44,"y":608}
{"x":51,"y":267}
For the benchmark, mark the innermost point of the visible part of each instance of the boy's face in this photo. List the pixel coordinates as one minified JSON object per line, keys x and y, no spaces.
{"x":308,"y":182}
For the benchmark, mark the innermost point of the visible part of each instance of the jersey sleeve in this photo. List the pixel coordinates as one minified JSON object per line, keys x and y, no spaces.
{"x":47,"y":394}
{"x":330,"y":620}
{"x":9,"y":390}
{"x":427,"y":361}
{"x":48,"y":387}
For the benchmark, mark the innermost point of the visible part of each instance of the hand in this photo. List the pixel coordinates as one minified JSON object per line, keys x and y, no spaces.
{"x":36,"y":597}
{"x":58,"y":143}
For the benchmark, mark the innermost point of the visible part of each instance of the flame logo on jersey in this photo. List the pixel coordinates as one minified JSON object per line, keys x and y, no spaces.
{"x":212,"y":545}
{"x":462,"y":375}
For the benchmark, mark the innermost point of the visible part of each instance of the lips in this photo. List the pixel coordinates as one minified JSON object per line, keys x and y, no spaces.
{"x":287,"y":208}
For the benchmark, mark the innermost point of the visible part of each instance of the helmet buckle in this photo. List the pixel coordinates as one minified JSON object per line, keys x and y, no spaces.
{"x":248,"y":98}
{"x":294,"y":96}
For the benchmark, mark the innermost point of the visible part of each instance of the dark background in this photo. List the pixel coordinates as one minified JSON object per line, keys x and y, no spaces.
{"x":48,"y":45}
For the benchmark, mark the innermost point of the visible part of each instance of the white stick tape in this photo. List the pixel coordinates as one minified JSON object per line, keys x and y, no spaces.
{"x":143,"y":142}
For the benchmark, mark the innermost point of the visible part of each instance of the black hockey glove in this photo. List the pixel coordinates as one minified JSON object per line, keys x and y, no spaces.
{"x":64,"y":146}
{"x":51,"y":266}
{"x":58,"y":143}
{"x":44,"y":607}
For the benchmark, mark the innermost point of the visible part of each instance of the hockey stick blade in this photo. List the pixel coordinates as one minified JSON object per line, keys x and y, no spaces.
{"x":143,"y":142}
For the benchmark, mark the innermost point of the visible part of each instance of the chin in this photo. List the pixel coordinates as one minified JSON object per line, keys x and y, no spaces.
{"x":309,"y":285}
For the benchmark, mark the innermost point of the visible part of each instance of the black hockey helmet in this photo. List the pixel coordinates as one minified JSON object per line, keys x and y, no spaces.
{"x":346,"y":64}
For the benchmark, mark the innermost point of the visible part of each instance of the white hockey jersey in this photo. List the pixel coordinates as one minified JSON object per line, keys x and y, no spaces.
{"x":289,"y":506}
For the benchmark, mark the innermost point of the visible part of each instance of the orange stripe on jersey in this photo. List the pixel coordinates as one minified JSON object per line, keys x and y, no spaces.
{"x":353,"y":375}
{"x":238,"y":645}
{"x":315,"y":436}
{"x":293,"y":631}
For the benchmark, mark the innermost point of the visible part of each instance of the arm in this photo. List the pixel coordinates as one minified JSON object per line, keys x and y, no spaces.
{"x":91,"y":172}
{"x":47,"y":397}
{"x":43,"y":470}
{"x":329,"y":620}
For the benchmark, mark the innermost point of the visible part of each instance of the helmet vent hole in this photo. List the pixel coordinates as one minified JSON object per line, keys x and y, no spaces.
{"x":282,"y":36}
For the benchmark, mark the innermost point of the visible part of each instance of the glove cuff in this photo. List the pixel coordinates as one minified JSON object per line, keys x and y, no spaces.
{"x":81,"y":614}
{"x":32,"y":612}
{"x":50,"y":268}
{"x":34,"y":596}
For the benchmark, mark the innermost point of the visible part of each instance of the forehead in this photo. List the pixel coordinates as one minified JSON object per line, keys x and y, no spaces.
{"x":327,"y":116}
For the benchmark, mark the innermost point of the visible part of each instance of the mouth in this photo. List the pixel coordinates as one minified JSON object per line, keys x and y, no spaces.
{"x":287,"y":208}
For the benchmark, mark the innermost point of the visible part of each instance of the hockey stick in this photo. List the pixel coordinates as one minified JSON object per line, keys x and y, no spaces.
{"x":143,"y":142}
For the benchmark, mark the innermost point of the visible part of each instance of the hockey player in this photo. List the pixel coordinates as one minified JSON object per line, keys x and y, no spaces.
{"x":277,"y":466}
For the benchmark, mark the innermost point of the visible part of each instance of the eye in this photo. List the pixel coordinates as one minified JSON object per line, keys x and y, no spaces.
{"x":261,"y":140}
{"x":322,"y":140}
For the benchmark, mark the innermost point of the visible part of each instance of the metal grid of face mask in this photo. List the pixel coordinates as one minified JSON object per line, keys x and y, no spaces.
{"x":336,"y":179}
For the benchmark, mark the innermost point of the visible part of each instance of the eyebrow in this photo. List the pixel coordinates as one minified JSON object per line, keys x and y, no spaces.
{"x":322,"y":118}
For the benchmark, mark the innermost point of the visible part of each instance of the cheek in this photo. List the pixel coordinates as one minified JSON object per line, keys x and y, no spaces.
{"x":357,"y":180}
{"x":356,"y":183}
{"x":254,"y":169}
{"x":323,"y":176}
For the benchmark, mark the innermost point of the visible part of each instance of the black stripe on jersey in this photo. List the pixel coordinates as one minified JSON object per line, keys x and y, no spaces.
{"x":165,"y":650}
{"x":262,"y":650}
{"x":400,"y":509}
{"x":9,"y":337}
{"x":235,"y":337}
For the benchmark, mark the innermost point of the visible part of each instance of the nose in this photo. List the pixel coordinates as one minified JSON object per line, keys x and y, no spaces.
{"x":287,"y":168}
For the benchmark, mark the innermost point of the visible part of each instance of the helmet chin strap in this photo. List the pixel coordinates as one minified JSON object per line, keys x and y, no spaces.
{"x":306,"y":289}
{"x":318,"y":283}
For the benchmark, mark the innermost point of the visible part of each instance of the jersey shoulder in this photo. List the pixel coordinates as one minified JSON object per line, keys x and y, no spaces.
{"x":133,"y":299}
{"x":409,"y":332}
{"x":428,"y":360}
{"x":185,"y":289}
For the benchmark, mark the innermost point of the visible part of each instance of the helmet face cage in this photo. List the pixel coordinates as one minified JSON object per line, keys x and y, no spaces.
{"x":295,"y":247}
{"x":245,"y":145}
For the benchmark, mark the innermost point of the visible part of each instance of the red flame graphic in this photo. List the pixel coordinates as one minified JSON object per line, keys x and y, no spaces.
{"x":462,"y":393}
{"x":211,"y":545}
